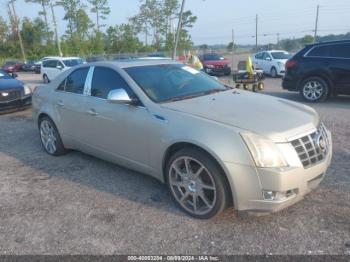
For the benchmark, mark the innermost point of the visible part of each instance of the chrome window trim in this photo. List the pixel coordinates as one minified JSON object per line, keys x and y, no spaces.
{"x":329,"y":57}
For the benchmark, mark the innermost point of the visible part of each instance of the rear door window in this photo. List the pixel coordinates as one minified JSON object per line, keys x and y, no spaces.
{"x":340,"y":50}
{"x":259,"y":56}
{"x":319,"y":51}
{"x":75,"y":82}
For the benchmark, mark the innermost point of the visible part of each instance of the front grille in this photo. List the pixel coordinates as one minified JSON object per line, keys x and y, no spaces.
{"x":8,"y":96}
{"x":312,"y":148}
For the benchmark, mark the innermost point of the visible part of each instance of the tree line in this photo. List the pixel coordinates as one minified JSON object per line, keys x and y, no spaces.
{"x":151,"y":29}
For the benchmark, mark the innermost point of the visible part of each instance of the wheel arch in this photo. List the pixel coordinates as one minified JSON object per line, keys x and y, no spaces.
{"x":180,"y":145}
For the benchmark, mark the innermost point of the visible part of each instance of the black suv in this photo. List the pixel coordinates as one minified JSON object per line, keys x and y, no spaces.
{"x":319,"y":70}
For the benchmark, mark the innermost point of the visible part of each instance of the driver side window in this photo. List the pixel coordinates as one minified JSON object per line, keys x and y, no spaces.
{"x":106,"y":79}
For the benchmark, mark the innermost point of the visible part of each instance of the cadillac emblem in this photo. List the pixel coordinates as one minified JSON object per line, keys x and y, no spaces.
{"x":4,"y":94}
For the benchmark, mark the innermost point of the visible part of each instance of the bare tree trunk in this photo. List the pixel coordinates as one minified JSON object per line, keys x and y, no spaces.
{"x":18,"y":32}
{"x":45,"y":18}
{"x":97,"y":20}
{"x":56,"y":33}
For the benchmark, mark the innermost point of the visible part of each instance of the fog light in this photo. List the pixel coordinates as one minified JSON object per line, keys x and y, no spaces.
{"x":269,"y":195}
{"x":278,"y":196}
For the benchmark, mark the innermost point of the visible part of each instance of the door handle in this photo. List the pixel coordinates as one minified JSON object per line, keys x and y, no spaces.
{"x":60,"y":103}
{"x":92,"y":112}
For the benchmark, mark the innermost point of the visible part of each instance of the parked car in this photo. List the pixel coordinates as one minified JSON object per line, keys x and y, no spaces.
{"x":13,"y":93}
{"x":271,"y":62}
{"x":52,"y":67}
{"x":215,"y":64}
{"x":29,"y":66}
{"x":12,"y":66}
{"x":214,"y":147}
{"x":319,"y":70}
{"x":37,"y":69}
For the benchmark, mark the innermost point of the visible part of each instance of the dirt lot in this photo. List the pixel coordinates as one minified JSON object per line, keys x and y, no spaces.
{"x":77,"y":204}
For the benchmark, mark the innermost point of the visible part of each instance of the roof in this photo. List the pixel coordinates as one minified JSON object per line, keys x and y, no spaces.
{"x":136,"y":62}
{"x":330,"y":42}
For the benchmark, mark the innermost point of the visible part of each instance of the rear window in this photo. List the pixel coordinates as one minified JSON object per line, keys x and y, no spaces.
{"x":340,"y":51}
{"x":319,"y":51}
{"x":280,"y":55}
{"x":72,"y":62}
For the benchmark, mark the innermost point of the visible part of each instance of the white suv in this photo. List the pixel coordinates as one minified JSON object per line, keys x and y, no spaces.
{"x":271,"y":62}
{"x":51,"y":68}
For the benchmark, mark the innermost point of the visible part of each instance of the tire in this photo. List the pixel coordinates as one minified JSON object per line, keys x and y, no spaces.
{"x":245,"y":86}
{"x":186,"y":187}
{"x":50,"y":138}
{"x":314,"y":89}
{"x":46,"y":79}
{"x":260,"y":86}
{"x":255,"y":88}
{"x":273,"y":72}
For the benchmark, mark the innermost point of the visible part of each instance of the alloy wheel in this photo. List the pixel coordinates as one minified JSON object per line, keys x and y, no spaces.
{"x":192,"y":185}
{"x":48,"y":137}
{"x":313,"y":90}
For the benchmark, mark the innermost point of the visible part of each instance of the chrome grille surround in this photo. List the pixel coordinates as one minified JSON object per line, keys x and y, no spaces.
{"x":312,"y":148}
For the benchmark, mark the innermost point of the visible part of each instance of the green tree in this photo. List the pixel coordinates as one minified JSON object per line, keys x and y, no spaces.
{"x":3,"y":30}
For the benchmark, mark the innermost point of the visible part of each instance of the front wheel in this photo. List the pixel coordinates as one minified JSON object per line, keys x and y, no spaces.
{"x":273,"y":72}
{"x":314,"y":89}
{"x":50,"y":137}
{"x":197,"y":183}
{"x":46,"y":79}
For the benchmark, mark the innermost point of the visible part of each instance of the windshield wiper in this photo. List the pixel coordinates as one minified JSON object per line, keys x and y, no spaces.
{"x":208,"y":92}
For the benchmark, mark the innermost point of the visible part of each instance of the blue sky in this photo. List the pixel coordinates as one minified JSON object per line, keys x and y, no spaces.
{"x":216,"y":18}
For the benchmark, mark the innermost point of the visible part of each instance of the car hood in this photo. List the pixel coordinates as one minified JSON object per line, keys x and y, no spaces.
{"x":10,"y":84}
{"x":216,"y":62}
{"x":276,"y":118}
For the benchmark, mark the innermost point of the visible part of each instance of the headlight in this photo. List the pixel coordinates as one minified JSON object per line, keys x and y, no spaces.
{"x":280,"y":64}
{"x":264,"y":152}
{"x":27,"y":90}
{"x":210,"y":66}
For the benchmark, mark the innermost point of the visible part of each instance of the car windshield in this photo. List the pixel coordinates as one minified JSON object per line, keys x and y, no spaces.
{"x":171,"y":82}
{"x":72,"y":62}
{"x":10,"y":63}
{"x":212,"y":57}
{"x":280,"y":55}
{"x":4,"y":75}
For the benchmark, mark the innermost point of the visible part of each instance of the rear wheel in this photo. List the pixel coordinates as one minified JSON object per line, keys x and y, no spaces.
{"x":50,"y":137}
{"x":314,"y":89}
{"x":197,"y":183}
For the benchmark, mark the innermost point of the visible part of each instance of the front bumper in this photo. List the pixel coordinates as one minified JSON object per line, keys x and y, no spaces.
{"x":248,"y":183}
{"x":18,"y":103}
{"x":218,"y":70}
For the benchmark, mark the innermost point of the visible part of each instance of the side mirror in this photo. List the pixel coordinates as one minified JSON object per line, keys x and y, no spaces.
{"x":119,"y":96}
{"x":59,"y":67}
{"x":268,"y":58}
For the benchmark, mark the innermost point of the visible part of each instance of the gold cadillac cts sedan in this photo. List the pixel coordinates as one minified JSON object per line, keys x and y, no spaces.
{"x":213,"y":146}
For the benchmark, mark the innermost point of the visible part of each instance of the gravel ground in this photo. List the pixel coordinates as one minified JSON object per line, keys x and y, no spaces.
{"x":77,"y":204}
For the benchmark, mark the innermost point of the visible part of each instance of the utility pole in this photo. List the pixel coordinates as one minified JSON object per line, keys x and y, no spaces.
{"x":233,"y":47}
{"x":256,"y":32}
{"x":316,"y":24}
{"x":17,"y":29}
{"x":278,"y":39}
{"x":178,"y":29}
{"x":56,"y":32}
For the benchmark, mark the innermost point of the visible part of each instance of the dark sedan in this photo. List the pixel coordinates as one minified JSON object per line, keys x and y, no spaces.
{"x":13,"y":93}
{"x":29,"y":66}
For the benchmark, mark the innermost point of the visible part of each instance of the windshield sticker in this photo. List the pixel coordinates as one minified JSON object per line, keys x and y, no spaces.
{"x":1,"y":75}
{"x":190,"y":70}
